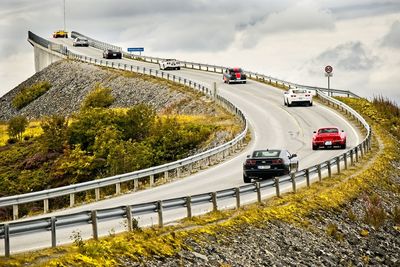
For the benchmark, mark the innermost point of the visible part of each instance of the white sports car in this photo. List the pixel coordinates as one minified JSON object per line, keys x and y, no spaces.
{"x":297,"y":96}
{"x":170,"y":64}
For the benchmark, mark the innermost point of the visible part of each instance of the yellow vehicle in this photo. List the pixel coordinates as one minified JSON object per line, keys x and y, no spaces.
{"x":60,"y":33}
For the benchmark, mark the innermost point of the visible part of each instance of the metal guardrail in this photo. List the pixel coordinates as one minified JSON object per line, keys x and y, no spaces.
{"x":213,"y":68}
{"x":218,"y":152}
{"x":94,"y":217}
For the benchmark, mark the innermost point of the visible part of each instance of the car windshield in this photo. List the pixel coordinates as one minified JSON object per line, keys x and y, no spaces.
{"x":299,"y":91}
{"x":266,"y":153}
{"x":328,"y":130}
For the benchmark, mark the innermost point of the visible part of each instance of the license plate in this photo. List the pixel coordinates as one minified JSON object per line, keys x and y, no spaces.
{"x":328,"y":143}
{"x":264,"y":167}
{"x":114,"y":54}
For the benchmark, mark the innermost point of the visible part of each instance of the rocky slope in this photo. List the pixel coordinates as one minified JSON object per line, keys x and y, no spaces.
{"x":72,"y":80}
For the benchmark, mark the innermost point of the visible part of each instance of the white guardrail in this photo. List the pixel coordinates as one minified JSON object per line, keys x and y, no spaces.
{"x":131,"y":212}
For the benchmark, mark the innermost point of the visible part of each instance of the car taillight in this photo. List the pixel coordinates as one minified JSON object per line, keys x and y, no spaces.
{"x":250,"y":162}
{"x":307,"y":95}
{"x":292,"y":95}
{"x":277,"y":161}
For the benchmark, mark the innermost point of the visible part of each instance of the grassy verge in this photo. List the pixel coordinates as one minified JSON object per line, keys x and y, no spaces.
{"x":375,"y":169}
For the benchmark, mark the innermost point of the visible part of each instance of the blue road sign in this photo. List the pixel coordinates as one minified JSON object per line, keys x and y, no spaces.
{"x":136,"y":49}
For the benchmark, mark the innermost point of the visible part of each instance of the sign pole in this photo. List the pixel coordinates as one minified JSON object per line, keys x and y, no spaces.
{"x":328,"y":73}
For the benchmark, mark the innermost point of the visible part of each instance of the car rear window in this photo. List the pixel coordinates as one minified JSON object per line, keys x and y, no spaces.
{"x":266,"y":153}
{"x":299,"y":91}
{"x":328,"y":130}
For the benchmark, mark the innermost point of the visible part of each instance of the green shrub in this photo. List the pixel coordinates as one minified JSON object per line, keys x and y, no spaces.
{"x":138,"y":122}
{"x":16,"y":127}
{"x":28,"y":94}
{"x":99,"y":97}
{"x":54,"y":133}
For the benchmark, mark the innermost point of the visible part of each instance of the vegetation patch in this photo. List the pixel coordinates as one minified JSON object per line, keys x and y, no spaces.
{"x":28,"y":94}
{"x":374,"y":170}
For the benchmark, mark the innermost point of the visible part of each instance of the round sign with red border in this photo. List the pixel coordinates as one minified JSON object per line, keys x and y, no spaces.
{"x":328,"y":69}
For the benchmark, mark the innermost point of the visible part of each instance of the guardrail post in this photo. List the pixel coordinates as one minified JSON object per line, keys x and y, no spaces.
{"x":118,"y":188}
{"x":166,"y":175}
{"x":319,"y":172}
{"x":135,"y":184}
{"x":351,"y":158}
{"x":345,"y":160}
{"x":361,"y":151}
{"x":71,"y":200}
{"x":214,"y":89}
{"x":160,"y":213}
{"x":53,"y":232}
{"x":151,"y":180}
{"x":338,"y":164}
{"x":94,"y":224}
{"x":129,"y":218}
{"x":214,"y":201}
{"x":278,"y":191}
{"x":97,"y":193}
{"x":15,"y":212}
{"x":178,"y":172}
{"x":258,"y":190}
{"x":189,"y":206}
{"x":237,"y":195}
{"x":46,"y":205}
{"x":308,"y":177}
{"x":6,"y":240}
{"x":329,"y":169}
{"x":356,"y":151}
{"x":293,"y":180}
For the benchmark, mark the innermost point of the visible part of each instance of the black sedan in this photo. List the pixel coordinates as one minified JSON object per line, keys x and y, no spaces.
{"x":268,"y":163}
{"x":109,"y":53}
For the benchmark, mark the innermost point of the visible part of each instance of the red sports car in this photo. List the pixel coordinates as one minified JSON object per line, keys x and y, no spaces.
{"x":328,"y":137}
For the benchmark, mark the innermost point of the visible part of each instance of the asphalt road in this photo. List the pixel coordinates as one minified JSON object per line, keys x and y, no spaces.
{"x":273,"y":125}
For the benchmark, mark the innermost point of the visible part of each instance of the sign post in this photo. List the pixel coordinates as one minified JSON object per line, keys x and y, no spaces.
{"x":328,"y":73}
{"x":136,"y":49}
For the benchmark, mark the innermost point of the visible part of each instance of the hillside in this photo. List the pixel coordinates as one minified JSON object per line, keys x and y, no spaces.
{"x":71,"y":81}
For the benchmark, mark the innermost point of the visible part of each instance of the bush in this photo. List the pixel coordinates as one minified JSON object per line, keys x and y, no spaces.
{"x":99,"y":97}
{"x":16,"y":127}
{"x":138,"y":122}
{"x":28,"y":94}
{"x":54,"y":133}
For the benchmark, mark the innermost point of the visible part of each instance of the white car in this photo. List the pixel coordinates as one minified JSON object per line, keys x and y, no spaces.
{"x":297,"y":96}
{"x":170,"y":64}
{"x":80,"y":41}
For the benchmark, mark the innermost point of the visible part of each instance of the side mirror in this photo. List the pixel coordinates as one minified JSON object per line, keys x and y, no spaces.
{"x":342,"y":131}
{"x":293,"y":156}
{"x":315,"y":132}
{"x":286,"y":93}
{"x":248,"y":156}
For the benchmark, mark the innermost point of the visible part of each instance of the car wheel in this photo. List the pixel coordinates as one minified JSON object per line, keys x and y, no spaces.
{"x":179,"y":68}
{"x":310,"y":104}
{"x":246,"y":179}
{"x":244,"y":82}
{"x":314,"y":147}
{"x":343,"y":146}
{"x":289,"y":104}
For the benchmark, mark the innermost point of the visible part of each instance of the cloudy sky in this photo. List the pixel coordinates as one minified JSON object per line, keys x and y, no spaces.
{"x":287,"y":39}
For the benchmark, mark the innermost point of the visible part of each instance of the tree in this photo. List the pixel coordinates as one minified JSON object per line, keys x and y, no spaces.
{"x":99,"y":97}
{"x":54,"y":133}
{"x":17,"y":126}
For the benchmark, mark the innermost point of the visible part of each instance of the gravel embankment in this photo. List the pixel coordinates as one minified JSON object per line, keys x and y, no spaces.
{"x":72,"y":80}
{"x":282,"y":244}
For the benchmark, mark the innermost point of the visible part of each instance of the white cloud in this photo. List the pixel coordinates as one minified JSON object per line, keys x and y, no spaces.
{"x":392,"y":38}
